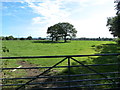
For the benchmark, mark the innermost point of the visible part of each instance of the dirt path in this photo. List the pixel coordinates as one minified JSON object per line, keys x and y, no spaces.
{"x":30,"y":72}
{"x":34,"y":72}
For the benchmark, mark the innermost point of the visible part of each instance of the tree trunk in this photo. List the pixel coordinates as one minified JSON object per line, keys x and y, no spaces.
{"x":56,"y":39}
{"x":65,"y":40}
{"x":52,"y":39}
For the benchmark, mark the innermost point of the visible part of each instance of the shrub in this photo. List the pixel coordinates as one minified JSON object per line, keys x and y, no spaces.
{"x":118,"y":40}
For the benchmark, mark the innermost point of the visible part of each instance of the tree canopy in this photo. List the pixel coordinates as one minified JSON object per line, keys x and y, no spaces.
{"x":117,"y":6}
{"x":62,"y":30}
{"x":113,"y":23}
{"x":29,"y":38}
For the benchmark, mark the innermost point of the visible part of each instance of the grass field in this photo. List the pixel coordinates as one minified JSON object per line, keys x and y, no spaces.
{"x":46,"y":48}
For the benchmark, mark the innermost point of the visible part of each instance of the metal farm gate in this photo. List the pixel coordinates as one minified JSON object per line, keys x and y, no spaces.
{"x":77,"y":75}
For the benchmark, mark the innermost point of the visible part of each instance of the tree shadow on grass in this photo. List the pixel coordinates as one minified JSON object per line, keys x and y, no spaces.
{"x":110,"y":48}
{"x":115,"y":60}
{"x":47,"y":42}
{"x":107,"y":48}
{"x":102,"y":49}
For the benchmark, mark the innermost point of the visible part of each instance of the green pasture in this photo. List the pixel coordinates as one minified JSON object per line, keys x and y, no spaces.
{"x":19,"y":48}
{"x":46,"y":48}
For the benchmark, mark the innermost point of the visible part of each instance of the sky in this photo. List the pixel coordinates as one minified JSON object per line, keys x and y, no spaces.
{"x":22,"y":18}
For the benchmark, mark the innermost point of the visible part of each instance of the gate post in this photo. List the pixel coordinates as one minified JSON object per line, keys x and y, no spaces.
{"x":69,"y":72}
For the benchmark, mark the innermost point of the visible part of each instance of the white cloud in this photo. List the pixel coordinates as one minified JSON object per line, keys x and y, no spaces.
{"x":89,"y":1}
{"x":39,"y":20}
{"x":22,"y":7}
{"x":54,"y":11}
{"x":94,"y":26}
{"x":49,"y":11}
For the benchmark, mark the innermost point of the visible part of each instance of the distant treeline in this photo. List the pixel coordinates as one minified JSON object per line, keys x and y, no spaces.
{"x":40,"y":38}
{"x":97,"y":39}
{"x":21,"y":38}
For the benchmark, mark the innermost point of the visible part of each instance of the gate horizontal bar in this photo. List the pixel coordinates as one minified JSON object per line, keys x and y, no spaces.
{"x":61,"y":66}
{"x":62,"y":81}
{"x":59,"y":76}
{"x":68,"y":56}
{"x":75,"y":86}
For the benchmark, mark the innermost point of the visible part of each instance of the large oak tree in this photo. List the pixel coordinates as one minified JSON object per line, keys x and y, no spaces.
{"x":63,"y":30}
